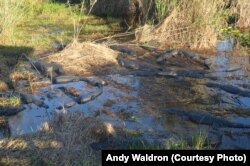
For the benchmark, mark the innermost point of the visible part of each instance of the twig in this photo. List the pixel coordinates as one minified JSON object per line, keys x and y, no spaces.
{"x":115,"y":36}
{"x":23,"y":54}
{"x":79,"y":29}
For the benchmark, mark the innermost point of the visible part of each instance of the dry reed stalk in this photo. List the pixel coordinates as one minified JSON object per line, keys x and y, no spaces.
{"x":191,"y":23}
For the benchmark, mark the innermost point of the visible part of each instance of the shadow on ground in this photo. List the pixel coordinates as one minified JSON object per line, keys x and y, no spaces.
{"x":9,"y":57}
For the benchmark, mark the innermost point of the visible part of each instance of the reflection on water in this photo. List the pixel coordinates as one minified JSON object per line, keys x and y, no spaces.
{"x":226,"y":45}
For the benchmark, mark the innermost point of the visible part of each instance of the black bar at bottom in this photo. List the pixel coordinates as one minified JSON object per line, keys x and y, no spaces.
{"x":175,"y":157}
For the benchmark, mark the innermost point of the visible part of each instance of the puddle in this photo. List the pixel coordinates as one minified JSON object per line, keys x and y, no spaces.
{"x":226,"y":45}
{"x":136,"y":102}
{"x":123,"y":105}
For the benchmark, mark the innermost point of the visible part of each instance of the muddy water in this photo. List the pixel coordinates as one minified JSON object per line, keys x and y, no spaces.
{"x":231,"y":76}
{"x":137,"y":102}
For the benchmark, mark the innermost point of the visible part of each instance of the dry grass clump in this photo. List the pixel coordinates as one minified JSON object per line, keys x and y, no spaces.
{"x":3,"y":86}
{"x":12,"y":13}
{"x":85,"y":58}
{"x":243,"y":7}
{"x":192,"y":23}
{"x":13,"y":101}
{"x":81,"y":129}
{"x":62,"y":141}
{"x":22,"y":75}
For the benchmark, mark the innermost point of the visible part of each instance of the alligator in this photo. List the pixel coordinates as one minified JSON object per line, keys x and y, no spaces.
{"x":205,"y":118}
{"x":66,"y":79}
{"x":9,"y":111}
{"x":230,"y":89}
{"x":72,"y":78}
{"x":183,"y":73}
{"x":48,"y":68}
{"x":127,"y":63}
{"x":182,"y":53}
{"x":123,"y":49}
{"x":167,"y":55}
{"x":91,"y":96}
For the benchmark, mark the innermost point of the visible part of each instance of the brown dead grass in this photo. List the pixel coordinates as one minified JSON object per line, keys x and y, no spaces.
{"x":3,"y":86}
{"x":22,"y":75}
{"x":85,"y":58}
{"x":243,"y":7}
{"x":62,"y":141}
{"x":192,"y":23}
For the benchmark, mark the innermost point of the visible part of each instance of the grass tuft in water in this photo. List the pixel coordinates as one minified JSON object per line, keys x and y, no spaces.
{"x":12,"y":101}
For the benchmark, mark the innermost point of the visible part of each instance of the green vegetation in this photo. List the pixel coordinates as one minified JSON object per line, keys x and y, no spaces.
{"x":12,"y":14}
{"x":198,"y":143}
{"x":13,"y":101}
{"x":28,"y":26}
{"x":242,"y":36}
{"x":37,"y":24}
{"x":164,"y":7}
{"x":192,"y":23}
{"x":31,"y":26}
{"x":199,"y":140}
{"x":196,"y":24}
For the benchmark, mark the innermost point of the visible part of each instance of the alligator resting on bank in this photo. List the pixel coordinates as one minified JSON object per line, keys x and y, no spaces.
{"x":205,"y":118}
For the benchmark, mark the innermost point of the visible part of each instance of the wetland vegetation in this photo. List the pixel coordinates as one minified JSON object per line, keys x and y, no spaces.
{"x":79,"y":76}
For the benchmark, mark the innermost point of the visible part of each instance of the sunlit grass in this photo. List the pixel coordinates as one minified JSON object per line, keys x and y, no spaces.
{"x":199,"y":140}
{"x":198,"y":143}
{"x":49,"y":21}
{"x":13,"y":101}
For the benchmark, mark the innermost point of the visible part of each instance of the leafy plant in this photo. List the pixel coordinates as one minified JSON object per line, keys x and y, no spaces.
{"x":164,"y":8}
{"x":243,"y":37}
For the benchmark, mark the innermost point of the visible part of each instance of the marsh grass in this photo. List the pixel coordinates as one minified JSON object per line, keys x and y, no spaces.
{"x":242,"y":7}
{"x":12,"y":101}
{"x":39,"y":23}
{"x":193,"y":23}
{"x":198,"y":142}
{"x":164,"y":7}
{"x":64,"y":140}
{"x":3,"y":86}
{"x":12,"y":13}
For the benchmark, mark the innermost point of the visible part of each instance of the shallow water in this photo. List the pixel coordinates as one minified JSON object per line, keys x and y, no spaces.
{"x":136,"y":102}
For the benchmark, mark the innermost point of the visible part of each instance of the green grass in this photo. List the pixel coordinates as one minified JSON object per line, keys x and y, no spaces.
{"x":47,"y":21}
{"x":13,"y":101}
{"x":199,"y":140}
{"x":243,"y":36}
{"x":197,"y":143}
{"x":164,"y":7}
